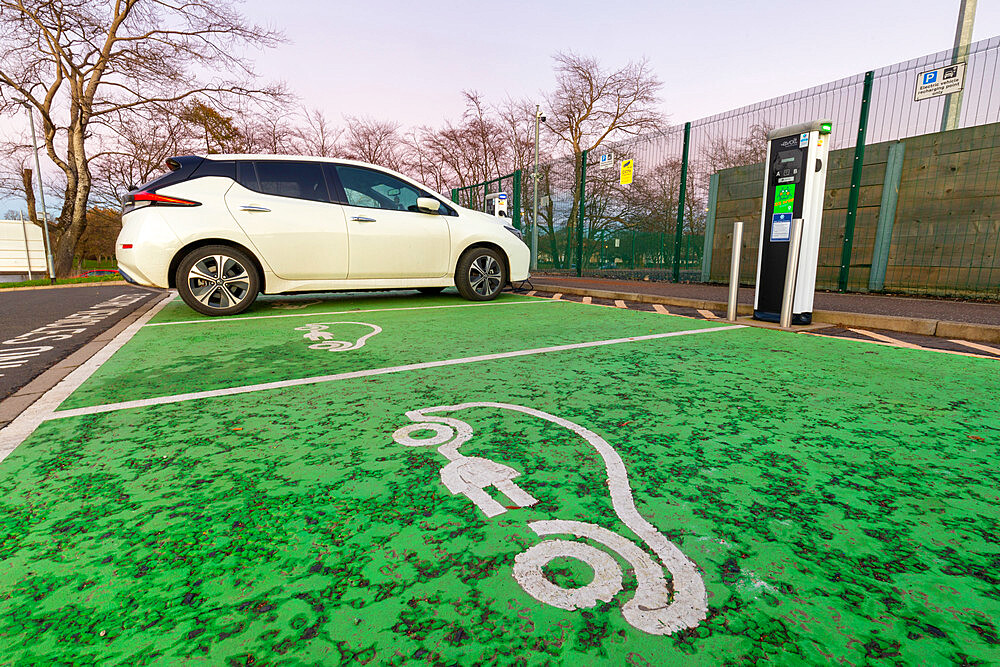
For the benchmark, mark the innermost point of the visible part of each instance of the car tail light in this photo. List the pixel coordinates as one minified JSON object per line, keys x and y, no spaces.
{"x":142,"y":199}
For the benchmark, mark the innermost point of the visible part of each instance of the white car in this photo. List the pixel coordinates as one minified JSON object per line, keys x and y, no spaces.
{"x":223,"y":228}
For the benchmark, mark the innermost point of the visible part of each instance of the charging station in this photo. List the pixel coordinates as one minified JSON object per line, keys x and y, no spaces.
{"x":794,"y":185}
{"x":496,"y":204}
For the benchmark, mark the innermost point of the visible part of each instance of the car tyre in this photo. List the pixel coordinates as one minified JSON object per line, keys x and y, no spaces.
{"x":481,"y":274}
{"x":430,"y":291}
{"x":217,"y":280}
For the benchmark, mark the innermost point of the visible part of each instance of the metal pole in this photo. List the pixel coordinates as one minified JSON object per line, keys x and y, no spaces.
{"x":734,"y":271}
{"x":27,"y":247}
{"x":852,"y":196}
{"x":791,"y":273}
{"x":534,"y":212}
{"x":963,"y":35}
{"x":41,"y":196}
{"x":680,"y":205}
{"x":579,"y":226}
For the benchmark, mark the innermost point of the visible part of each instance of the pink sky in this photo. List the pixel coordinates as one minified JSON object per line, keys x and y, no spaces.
{"x":409,"y":60}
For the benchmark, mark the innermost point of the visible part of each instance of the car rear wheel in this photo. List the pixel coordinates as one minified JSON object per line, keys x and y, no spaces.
{"x":217,"y":280}
{"x":481,"y":274}
{"x":430,"y":291}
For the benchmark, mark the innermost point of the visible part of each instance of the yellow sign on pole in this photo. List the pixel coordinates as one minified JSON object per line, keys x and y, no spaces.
{"x":626,"y":172}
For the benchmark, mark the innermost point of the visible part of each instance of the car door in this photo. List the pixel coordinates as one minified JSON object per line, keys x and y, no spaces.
{"x":285,"y":208}
{"x":389,"y":237}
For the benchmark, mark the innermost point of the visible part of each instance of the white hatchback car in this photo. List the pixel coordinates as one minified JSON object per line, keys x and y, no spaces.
{"x":223,"y":228}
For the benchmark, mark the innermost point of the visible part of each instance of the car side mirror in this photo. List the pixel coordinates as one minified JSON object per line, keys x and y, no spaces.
{"x":428,"y":205}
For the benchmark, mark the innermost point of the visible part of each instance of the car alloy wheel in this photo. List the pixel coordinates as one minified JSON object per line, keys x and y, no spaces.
{"x":218,"y":281}
{"x":481,"y":274}
{"x":485,"y":275}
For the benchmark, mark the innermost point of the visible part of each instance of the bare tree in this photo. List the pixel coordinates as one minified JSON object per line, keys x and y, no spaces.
{"x":724,"y":152}
{"x":138,"y":150}
{"x":591,"y":106}
{"x":318,"y":136}
{"x":98,"y":241}
{"x":375,"y":141}
{"x":82,"y":65}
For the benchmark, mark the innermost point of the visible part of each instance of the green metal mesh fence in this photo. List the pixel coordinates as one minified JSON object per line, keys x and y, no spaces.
{"x":927,"y":212}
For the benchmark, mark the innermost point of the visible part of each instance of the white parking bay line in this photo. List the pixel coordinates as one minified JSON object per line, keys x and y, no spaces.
{"x":588,"y":299}
{"x":887,"y":339}
{"x":660,"y":309}
{"x":232,"y":391}
{"x":620,"y":304}
{"x":707,"y":314}
{"x":223,"y":320}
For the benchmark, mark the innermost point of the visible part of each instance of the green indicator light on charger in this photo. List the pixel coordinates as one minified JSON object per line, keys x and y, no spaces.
{"x":825,"y":128}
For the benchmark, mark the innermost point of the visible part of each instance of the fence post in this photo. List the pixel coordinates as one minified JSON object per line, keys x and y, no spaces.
{"x":579,"y":226}
{"x":454,"y":195}
{"x":706,"y":254}
{"x":852,"y":198}
{"x":680,"y":205}
{"x":886,"y":216}
{"x":517,"y":199}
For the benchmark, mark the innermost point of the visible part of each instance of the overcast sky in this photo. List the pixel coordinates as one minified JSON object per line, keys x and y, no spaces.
{"x":409,"y":60}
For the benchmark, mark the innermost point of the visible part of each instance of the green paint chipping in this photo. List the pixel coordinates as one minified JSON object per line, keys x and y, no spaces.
{"x":838,"y":498}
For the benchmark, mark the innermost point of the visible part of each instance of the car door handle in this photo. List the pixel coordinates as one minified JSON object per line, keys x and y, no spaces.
{"x":362,"y":218}
{"x":254,"y":209}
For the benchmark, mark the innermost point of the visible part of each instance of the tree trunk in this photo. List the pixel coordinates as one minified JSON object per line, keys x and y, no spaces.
{"x":74,"y":216}
{"x":29,"y":195}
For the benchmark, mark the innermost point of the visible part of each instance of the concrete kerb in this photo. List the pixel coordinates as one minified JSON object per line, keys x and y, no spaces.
{"x":986,"y":333}
{"x":12,"y":406}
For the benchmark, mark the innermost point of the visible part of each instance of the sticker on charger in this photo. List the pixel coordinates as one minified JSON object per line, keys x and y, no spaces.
{"x":781,"y":227}
{"x":803,"y":140}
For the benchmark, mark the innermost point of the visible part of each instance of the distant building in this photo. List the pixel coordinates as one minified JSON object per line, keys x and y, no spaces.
{"x":19,"y":243}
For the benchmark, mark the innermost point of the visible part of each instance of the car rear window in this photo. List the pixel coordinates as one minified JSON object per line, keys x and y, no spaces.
{"x":181,"y":169}
{"x":224,"y":168}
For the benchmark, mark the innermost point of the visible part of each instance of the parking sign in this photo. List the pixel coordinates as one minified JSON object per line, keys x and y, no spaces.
{"x":940,"y":81}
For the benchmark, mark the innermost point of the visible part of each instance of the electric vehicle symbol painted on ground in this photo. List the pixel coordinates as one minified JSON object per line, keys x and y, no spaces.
{"x":652,"y":609}
{"x":320,"y":332}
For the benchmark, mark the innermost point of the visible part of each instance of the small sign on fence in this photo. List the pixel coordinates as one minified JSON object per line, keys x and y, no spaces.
{"x":940,"y":81}
{"x":626,"y":172}
{"x":607,"y":160}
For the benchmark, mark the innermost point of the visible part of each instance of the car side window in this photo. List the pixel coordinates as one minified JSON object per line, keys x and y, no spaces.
{"x":246,"y":176}
{"x":369,"y":188}
{"x":299,"y":180}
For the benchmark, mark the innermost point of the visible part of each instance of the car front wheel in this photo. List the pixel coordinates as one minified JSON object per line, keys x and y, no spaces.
{"x":481,"y":274}
{"x":217,"y":280}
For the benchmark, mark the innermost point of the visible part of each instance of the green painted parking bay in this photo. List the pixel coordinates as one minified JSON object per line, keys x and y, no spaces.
{"x":825,"y":500}
{"x":173,"y":356}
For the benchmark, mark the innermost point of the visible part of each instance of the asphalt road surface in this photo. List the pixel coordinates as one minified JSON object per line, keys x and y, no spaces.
{"x":39,"y":328}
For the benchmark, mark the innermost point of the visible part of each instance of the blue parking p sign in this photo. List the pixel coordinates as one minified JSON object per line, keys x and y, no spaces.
{"x":930,"y":77}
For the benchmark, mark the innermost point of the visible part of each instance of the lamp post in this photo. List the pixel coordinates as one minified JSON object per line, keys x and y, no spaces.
{"x":41,"y":194}
{"x":534,"y":213}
